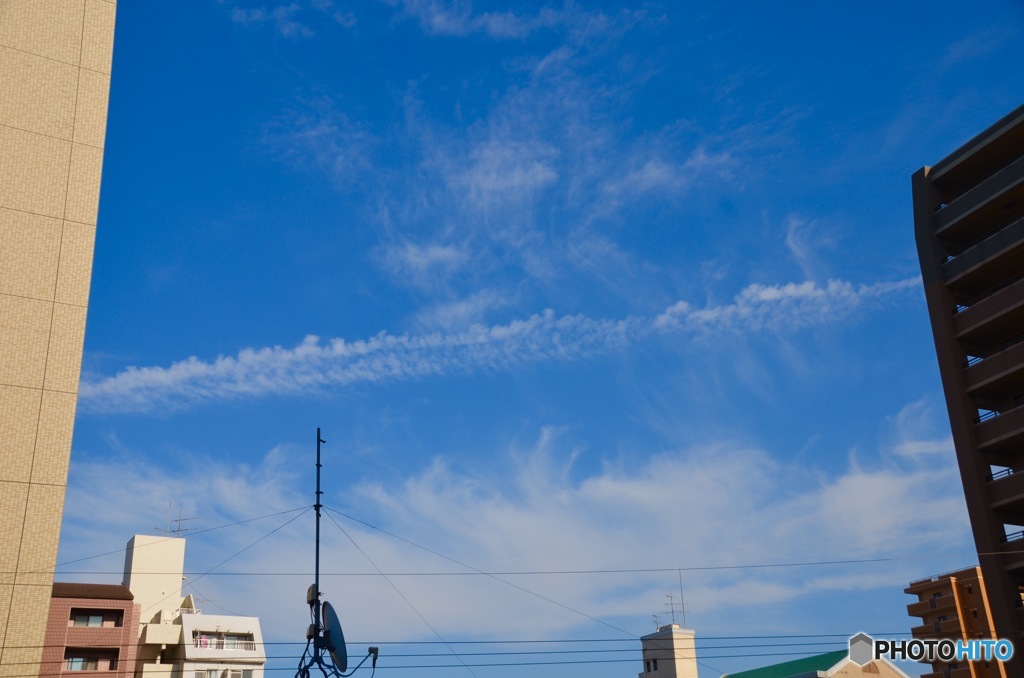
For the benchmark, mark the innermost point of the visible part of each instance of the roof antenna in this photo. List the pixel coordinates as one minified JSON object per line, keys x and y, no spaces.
{"x":325,"y":641}
{"x":682,"y":601}
{"x":178,"y":529}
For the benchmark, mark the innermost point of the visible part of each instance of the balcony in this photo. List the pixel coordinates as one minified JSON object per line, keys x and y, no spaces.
{"x":931,"y":605}
{"x":1006,"y":494}
{"x":1013,"y":553}
{"x":160,"y":634}
{"x":992,"y":319}
{"x":209,"y":643}
{"x":996,"y":200}
{"x":1001,"y":437}
{"x":999,"y":377}
{"x":987,"y":263}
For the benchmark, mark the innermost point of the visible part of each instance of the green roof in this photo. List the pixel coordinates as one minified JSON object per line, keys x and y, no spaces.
{"x":797,"y":667}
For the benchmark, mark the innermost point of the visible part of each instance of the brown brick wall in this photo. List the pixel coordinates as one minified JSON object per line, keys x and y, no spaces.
{"x":60,"y":635}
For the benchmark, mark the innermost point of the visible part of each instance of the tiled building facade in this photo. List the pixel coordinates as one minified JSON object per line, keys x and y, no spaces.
{"x":55,"y":63}
{"x":91,"y":627}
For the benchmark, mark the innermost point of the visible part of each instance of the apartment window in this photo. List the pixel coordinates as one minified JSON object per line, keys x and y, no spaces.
{"x":970,"y":589}
{"x":655,"y":661}
{"x":87,"y":620}
{"x":95,"y":618}
{"x":90,"y":659}
{"x":647,"y":665}
{"x":240,"y":673}
{"x":83,"y":664}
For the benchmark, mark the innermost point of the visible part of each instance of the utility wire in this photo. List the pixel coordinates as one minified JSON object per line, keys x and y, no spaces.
{"x":476,"y":572}
{"x":504,"y":581}
{"x":407,"y":601}
{"x":196,"y":532}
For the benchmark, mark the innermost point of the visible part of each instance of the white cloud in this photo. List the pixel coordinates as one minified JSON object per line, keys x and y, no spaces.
{"x":656,"y":175}
{"x":529,"y":511}
{"x":314,"y":365}
{"x":459,"y":314}
{"x":321,"y":136}
{"x":979,"y":44}
{"x":761,"y":308}
{"x":283,"y":18}
{"x":805,"y":239}
{"x":458,"y":19}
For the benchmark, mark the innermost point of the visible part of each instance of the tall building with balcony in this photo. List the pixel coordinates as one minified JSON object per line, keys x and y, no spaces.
{"x":969,"y":223}
{"x":175,"y":638}
{"x":55,"y":64}
{"x":954,"y":606}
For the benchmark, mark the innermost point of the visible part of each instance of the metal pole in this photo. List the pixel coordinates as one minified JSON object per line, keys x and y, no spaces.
{"x":316,"y":581}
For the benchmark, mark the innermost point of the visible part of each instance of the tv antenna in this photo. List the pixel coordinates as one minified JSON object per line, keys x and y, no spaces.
{"x":178,"y":529}
{"x":325,"y":641}
{"x":671,"y":605}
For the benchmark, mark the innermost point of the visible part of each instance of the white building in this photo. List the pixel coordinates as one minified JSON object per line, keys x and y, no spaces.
{"x":176,"y":640}
{"x":670,"y":652}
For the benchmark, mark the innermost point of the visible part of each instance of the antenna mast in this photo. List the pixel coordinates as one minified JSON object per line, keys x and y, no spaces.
{"x":324,"y":637}
{"x":178,"y":529}
{"x":682,"y":602}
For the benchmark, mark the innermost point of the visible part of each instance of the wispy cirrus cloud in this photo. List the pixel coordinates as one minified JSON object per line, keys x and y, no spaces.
{"x":293,"y":20}
{"x":283,"y":18}
{"x":763,"y":308}
{"x":320,"y":135}
{"x":314,"y":365}
{"x":499,"y":517}
{"x":459,"y":19}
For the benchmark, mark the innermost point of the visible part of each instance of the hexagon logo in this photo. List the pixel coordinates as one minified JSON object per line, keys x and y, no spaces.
{"x":862,"y":649}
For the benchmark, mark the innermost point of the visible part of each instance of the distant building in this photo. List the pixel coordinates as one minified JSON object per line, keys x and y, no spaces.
{"x":829,"y":665}
{"x":669,"y":652}
{"x":91,"y":627}
{"x":145,"y":628}
{"x":55,"y":60}
{"x":175,"y":638}
{"x":969,"y":224}
{"x":954,"y":606}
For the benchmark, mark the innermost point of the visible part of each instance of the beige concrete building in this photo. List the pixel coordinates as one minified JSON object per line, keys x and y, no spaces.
{"x":175,"y":638}
{"x":670,"y":652}
{"x":55,"y":60}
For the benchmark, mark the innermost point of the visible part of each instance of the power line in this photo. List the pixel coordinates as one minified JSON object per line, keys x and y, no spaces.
{"x":511,"y":573}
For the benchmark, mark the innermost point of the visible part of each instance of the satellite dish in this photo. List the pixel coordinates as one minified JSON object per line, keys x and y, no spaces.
{"x":334,"y":639}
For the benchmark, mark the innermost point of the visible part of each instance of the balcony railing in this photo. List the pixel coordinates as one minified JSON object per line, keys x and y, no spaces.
{"x":208,"y":643}
{"x":1013,"y":536}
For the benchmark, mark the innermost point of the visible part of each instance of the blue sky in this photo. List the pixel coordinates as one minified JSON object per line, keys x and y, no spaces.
{"x":593,"y":295}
